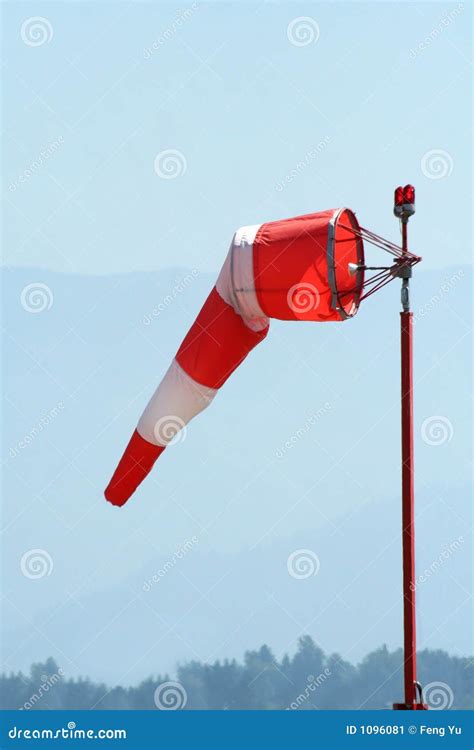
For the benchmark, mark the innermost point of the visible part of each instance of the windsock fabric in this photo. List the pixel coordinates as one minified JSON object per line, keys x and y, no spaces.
{"x":296,"y":269}
{"x":301,"y":267}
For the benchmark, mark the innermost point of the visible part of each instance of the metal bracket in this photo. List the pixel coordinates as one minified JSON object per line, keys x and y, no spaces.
{"x":403,"y":271}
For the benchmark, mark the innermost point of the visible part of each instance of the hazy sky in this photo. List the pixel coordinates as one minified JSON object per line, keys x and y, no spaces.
{"x":139,"y":137}
{"x":275,"y":109}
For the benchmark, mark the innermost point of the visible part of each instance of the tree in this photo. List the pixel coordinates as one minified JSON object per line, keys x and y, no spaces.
{"x":307,"y":681}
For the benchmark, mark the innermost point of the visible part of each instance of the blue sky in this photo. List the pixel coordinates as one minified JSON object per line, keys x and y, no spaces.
{"x":269,"y":110}
{"x":357,"y":105}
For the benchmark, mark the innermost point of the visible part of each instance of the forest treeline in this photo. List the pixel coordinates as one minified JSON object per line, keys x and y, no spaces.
{"x":309,"y":680}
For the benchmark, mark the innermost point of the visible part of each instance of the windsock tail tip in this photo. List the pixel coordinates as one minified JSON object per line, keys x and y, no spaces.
{"x":135,"y":464}
{"x":114,"y":497}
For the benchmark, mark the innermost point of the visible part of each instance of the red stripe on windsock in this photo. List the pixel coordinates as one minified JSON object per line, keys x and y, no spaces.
{"x":217,"y":342}
{"x":136,"y":462}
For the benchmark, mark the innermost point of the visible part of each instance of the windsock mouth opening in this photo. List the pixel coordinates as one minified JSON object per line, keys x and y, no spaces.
{"x":345,"y":256}
{"x":301,"y":266}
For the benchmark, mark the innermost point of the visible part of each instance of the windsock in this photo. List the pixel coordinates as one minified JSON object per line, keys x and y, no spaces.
{"x":295,"y":269}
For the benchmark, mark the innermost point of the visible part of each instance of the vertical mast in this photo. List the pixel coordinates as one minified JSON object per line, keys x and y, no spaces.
{"x":404,"y":208}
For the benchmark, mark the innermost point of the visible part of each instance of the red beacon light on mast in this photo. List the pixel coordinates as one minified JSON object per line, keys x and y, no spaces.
{"x":409,"y":194}
{"x":398,"y":198}
{"x":404,"y":202}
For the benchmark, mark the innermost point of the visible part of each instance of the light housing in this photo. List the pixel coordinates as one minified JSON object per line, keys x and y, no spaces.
{"x":409,"y":194}
{"x":398,"y":197}
{"x":404,"y":202}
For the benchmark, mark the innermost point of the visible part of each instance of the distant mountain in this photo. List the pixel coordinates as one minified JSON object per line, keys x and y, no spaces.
{"x":300,"y":451}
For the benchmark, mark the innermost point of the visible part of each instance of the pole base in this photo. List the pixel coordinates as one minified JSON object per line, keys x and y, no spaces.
{"x":410,"y":707}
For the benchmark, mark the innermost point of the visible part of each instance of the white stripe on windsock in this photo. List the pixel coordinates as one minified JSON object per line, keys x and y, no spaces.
{"x":236,"y":283}
{"x":175,"y":402}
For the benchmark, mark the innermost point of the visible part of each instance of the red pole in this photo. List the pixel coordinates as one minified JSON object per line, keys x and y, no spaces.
{"x":408,"y":506}
{"x":413,"y":694}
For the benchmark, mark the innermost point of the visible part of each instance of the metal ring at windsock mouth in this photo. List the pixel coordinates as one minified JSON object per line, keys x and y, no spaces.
{"x":337,"y":302}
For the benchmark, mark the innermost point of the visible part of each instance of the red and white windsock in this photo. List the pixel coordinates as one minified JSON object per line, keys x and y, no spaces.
{"x":295,"y":269}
